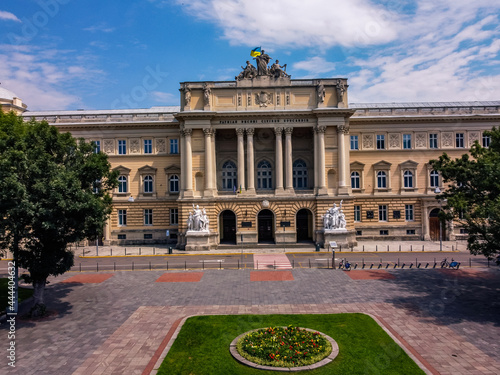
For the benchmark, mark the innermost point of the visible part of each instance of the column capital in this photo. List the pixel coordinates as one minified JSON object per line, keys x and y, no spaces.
{"x":208,"y":132}
{"x":344,"y":129}
{"x":288,"y":131}
{"x":320,"y":129}
{"x":278,"y":131}
{"x":250,"y":131}
{"x":187,"y":132}
{"x":240,"y":131}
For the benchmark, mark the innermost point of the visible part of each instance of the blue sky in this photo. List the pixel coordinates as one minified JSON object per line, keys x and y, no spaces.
{"x":90,"y":54}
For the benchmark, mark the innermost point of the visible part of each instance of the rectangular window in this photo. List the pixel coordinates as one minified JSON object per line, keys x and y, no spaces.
{"x":380,"y":142}
{"x":384,"y":232}
{"x":382,"y":213}
{"x":174,"y":146}
{"x":433,"y":140}
{"x":122,"y":217}
{"x":357,"y":213}
{"x":409,"y":212}
{"x":122,"y":147}
{"x":148,"y":217}
{"x":459,"y":140}
{"x":486,"y":140}
{"x":410,"y":232}
{"x":97,"y":148}
{"x":463,"y":231}
{"x":148,"y":146}
{"x":359,"y":233}
{"x":122,"y":236}
{"x":407,"y":141}
{"x":174,"y":216}
{"x":148,"y":236}
{"x":354,"y":142}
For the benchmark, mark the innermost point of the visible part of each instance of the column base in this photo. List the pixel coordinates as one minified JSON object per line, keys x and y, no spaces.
{"x":344,"y":190}
{"x":209,"y":193}
{"x":279,"y":191}
{"x":322,"y":191}
{"x":251,"y":191}
{"x":290,"y":191}
{"x":188,"y":194}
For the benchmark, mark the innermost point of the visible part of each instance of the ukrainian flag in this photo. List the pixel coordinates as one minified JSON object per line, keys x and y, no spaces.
{"x":255,"y":52}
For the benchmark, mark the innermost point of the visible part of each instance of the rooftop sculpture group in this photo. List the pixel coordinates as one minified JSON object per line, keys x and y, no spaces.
{"x":262,"y":60}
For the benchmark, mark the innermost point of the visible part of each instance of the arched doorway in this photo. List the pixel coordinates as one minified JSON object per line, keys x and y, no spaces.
{"x":265,"y":223}
{"x":434,"y":226}
{"x":304,"y":225}
{"x":228,"y":227}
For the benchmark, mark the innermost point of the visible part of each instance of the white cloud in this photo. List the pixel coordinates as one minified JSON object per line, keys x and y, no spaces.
{"x":102,"y":27}
{"x":165,"y":98}
{"x":315,"y":65}
{"x":8,"y":16}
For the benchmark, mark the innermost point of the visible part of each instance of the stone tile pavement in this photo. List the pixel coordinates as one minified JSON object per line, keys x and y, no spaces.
{"x":450,"y":321}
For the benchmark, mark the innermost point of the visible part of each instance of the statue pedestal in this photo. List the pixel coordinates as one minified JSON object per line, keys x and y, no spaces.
{"x":200,"y":240}
{"x":343,"y":237}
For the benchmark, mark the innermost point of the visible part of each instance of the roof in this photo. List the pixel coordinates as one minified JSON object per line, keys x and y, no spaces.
{"x":7,"y":94}
{"x":425,"y":104}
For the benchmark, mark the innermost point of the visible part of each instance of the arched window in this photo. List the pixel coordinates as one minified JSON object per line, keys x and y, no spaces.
{"x":434,"y":177}
{"x":174,"y":183}
{"x":355,"y":180}
{"x":229,"y":174}
{"x":408,"y":179}
{"x":381,"y":180}
{"x":122,"y":184}
{"x":148,"y":184}
{"x":300,"y":174}
{"x":264,"y":178}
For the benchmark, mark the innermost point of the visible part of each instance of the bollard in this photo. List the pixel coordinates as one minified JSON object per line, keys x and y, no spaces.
{"x":363,"y":266}
{"x":125,"y":251}
{"x":387,"y":247}
{"x":387,"y":266}
{"x":379,"y":266}
{"x":411,"y":265}
{"x":434,"y":266}
{"x":376,"y":247}
{"x":238,"y":264}
{"x":411,"y":247}
{"x":139,"y":251}
{"x":427,"y":265}
{"x":185,"y":265}
{"x":352,"y":249}
{"x":80,"y":267}
{"x":111,"y":251}
{"x":371,"y":266}
{"x":402,"y":266}
{"x":150,"y":266}
{"x":363,"y":247}
{"x":340,"y":249}
{"x":97,"y":267}
{"x":470,"y":263}
{"x":399,"y":247}
{"x":418,"y":265}
{"x":355,"y":265}
{"x":293,"y":263}
{"x":275,"y":265}
{"x":395,"y":265}
{"x":309,"y":263}
{"x":154,"y":251}
{"x":423,"y":247}
{"x":452,"y":248}
{"x":132,"y":266}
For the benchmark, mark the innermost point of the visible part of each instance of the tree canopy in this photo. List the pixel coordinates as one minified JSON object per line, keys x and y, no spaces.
{"x":473,"y":193}
{"x":54,"y":191}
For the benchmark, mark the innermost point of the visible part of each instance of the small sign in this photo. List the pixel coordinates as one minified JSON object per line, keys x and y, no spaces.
{"x":333,"y":244}
{"x":396,"y":214}
{"x":168,"y":233}
{"x":246,"y":224}
{"x":369,"y":214}
{"x":284,"y":223}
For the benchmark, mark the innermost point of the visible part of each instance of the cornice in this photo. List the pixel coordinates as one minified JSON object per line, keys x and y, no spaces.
{"x":432,"y":118}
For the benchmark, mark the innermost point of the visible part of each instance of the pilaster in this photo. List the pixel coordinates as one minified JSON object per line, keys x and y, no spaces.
{"x":279,"y":161}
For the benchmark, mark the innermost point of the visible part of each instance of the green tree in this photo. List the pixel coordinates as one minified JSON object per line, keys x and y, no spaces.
{"x":473,"y":193}
{"x":54,"y":191}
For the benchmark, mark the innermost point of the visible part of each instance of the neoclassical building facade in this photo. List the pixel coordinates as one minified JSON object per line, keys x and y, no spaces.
{"x":266,"y":156}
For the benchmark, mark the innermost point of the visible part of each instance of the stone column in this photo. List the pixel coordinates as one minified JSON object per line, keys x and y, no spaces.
{"x":288,"y":160}
{"x":343,"y":159}
{"x":425,"y":222}
{"x":182,"y":152}
{"x":316,"y":160}
{"x":250,"y":162}
{"x":241,"y":159}
{"x":279,"y":161}
{"x":214,"y":162}
{"x":208,"y":163}
{"x":188,"y":163}
{"x":322,"y":190}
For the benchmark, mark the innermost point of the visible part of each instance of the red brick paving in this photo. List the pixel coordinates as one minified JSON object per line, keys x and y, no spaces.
{"x":370,"y":275}
{"x":271,"y":276}
{"x":188,"y":277}
{"x":89,"y":278}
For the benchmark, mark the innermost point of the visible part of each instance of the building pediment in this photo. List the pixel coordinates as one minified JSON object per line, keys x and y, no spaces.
{"x":357,"y":165}
{"x":382,"y":165}
{"x":122,"y":169}
{"x":147,"y":169}
{"x":409,"y":164}
{"x":172,"y":169}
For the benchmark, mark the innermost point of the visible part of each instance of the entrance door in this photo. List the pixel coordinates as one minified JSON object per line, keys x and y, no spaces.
{"x":228,"y":225}
{"x":304,"y":226}
{"x":434,"y":226}
{"x":266,"y":226}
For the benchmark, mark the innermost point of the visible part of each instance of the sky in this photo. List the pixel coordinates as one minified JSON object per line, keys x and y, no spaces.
{"x":102,"y":54}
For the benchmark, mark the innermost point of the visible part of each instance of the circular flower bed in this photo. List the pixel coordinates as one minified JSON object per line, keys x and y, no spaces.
{"x":283,"y":347}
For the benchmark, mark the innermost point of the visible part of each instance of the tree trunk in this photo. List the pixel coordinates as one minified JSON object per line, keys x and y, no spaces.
{"x":38,"y":308}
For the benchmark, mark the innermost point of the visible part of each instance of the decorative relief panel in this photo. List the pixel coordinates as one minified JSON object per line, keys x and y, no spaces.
{"x":420,"y":140}
{"x":109,"y":146}
{"x":447,"y":140}
{"x":394,"y":140}
{"x":161,"y":146}
{"x":135,"y":146}
{"x":367,"y":140}
{"x":473,"y":136}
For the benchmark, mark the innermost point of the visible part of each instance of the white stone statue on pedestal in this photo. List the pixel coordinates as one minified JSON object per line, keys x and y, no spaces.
{"x":334,"y":218}
{"x":198,"y":220}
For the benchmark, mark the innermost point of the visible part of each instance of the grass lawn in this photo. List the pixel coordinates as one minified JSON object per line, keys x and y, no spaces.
{"x":4,"y":294}
{"x":202,"y":346}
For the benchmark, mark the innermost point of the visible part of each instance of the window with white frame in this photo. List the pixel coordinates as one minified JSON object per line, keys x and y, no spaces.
{"x":357,"y":213}
{"x":381,"y":180}
{"x":97,"y":147}
{"x":434,"y":179}
{"x":148,"y":216}
{"x":355,"y":180}
{"x":299,"y":174}
{"x":173,"y":183}
{"x":122,"y":184}
{"x":174,"y":216}
{"x":122,"y":147}
{"x":406,"y":141}
{"x":486,"y":140}
{"x":459,"y":140}
{"x":148,"y":184}
{"x":382,"y":213}
{"x":433,"y":140}
{"x":354,"y":142}
{"x":148,"y":146}
{"x":174,"y":146}
{"x":380,"y":141}
{"x":229,"y":175}
{"x":122,"y":217}
{"x":409,"y":212}
{"x":408,"y":179}
{"x":264,"y":175}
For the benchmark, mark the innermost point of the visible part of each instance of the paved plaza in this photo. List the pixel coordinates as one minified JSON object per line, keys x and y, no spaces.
{"x":120,"y":322}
